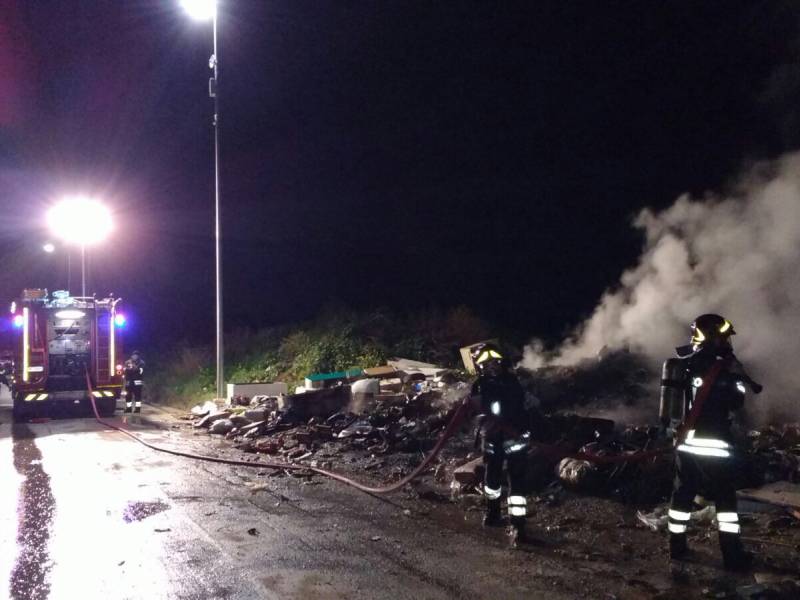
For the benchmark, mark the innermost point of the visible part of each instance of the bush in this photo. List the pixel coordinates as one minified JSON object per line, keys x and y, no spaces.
{"x":336,"y":341}
{"x":184,"y":377}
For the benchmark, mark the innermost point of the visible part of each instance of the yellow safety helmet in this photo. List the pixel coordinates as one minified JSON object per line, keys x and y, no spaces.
{"x":710,"y":326}
{"x":485,"y":353}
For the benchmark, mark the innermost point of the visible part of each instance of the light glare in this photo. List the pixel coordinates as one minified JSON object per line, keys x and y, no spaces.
{"x":80,"y":220}
{"x":200,"y":10}
{"x":49,"y":248}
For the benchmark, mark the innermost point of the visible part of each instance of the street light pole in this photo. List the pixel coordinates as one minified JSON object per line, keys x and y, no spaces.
{"x":214,"y":89}
{"x":204,"y":10}
{"x":83,"y":270}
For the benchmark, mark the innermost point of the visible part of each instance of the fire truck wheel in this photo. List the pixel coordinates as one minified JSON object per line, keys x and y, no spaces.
{"x":21,"y":411}
{"x":107,"y":406}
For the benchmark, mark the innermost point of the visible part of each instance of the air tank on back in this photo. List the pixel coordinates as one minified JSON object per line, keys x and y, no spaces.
{"x":672,"y":408}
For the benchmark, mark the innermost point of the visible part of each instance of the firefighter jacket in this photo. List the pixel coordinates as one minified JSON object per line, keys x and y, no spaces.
{"x":134,"y":373}
{"x":502,"y":403}
{"x":727,"y":394}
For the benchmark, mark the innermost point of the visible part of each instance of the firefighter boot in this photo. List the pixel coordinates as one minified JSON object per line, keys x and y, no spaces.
{"x":492,"y":517}
{"x":734,"y":557}
{"x":517,"y":535}
{"x":678,"y":550}
{"x":679,"y":558}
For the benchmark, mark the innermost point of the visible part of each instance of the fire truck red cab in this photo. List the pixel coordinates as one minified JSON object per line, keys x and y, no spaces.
{"x":60,"y":339}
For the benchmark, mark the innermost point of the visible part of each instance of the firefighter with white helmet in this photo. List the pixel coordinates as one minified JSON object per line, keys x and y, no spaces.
{"x":505,"y":431}
{"x":700,"y":389}
{"x":134,"y":382}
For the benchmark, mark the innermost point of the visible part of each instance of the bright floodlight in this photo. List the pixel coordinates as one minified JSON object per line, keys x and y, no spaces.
{"x":200,"y":10}
{"x":49,"y":248}
{"x":80,"y":220}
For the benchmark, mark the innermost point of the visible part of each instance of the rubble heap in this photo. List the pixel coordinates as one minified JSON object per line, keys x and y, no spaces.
{"x":323,"y":424}
{"x":388,"y":417}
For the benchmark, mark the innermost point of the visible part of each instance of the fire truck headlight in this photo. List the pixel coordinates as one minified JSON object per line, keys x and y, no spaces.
{"x":120,"y":320}
{"x":18,"y":320}
{"x":71,"y":315}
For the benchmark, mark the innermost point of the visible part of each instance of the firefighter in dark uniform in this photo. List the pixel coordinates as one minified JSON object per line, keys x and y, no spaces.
{"x":6,"y":369}
{"x":134,"y":382}
{"x":709,"y":383}
{"x":505,"y":432}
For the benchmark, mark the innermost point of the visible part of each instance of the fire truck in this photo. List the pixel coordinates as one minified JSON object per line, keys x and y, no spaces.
{"x":59,"y":339}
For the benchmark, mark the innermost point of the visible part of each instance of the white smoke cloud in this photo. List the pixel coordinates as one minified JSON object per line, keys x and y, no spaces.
{"x":738,"y":256}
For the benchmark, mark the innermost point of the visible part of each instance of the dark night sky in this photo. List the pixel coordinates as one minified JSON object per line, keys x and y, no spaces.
{"x":379,"y":153}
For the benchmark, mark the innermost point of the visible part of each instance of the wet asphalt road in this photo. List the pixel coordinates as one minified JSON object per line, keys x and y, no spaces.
{"x":87,"y":513}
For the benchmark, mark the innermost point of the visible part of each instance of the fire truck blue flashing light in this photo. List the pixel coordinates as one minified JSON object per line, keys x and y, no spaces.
{"x":18,"y":320}
{"x":120,"y":320}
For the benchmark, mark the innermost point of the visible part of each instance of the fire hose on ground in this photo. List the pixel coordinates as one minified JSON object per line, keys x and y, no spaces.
{"x":451,"y":428}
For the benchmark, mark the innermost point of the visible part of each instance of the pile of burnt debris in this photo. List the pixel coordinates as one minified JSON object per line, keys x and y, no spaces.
{"x":391,"y":414}
{"x":386,"y":419}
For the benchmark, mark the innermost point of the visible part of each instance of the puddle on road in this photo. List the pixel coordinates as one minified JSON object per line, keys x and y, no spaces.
{"x":138,"y":511}
{"x":35,"y":508}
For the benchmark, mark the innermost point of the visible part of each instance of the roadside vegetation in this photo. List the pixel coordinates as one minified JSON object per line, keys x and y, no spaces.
{"x":336,"y":340}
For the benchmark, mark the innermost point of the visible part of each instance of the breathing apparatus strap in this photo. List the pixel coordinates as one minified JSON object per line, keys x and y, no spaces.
{"x":702,"y":394}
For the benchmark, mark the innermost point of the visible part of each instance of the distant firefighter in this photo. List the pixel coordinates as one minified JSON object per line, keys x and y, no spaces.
{"x":134,"y":382}
{"x":6,"y":370}
{"x":699,"y":391}
{"x":505,"y":432}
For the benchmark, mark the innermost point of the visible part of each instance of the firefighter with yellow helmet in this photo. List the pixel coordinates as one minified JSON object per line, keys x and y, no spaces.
{"x":700,"y":389}
{"x":505,"y":431}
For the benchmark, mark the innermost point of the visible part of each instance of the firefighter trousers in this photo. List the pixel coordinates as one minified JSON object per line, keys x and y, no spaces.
{"x":712,"y":477}
{"x":513,"y":452}
{"x":133,"y":397}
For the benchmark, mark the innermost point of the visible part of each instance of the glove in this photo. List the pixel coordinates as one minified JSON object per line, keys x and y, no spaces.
{"x":756,"y":387}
